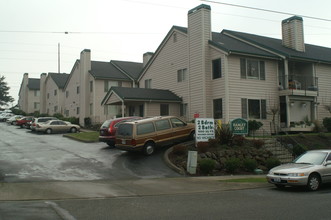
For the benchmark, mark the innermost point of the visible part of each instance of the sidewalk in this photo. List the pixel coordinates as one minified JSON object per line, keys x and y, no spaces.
{"x":122,"y":188}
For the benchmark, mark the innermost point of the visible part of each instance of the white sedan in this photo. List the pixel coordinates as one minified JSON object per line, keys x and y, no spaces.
{"x":57,"y":126}
{"x":311,"y":169}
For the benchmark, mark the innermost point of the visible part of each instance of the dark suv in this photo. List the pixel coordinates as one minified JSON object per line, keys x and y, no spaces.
{"x":109,"y":127}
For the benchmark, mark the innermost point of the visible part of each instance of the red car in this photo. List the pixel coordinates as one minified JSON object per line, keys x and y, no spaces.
{"x":109,"y":127}
{"x":24,"y":122}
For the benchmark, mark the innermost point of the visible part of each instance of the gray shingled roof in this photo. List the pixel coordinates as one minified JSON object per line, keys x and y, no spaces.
{"x":142,"y":94}
{"x":34,"y":84}
{"x":60,"y":79}
{"x":131,"y":68}
{"x":106,"y":70}
{"x":226,"y":40}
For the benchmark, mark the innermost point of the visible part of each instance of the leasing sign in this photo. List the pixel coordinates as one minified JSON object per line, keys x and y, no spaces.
{"x":204,"y":129}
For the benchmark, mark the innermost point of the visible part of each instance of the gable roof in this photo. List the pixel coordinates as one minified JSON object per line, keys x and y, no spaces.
{"x":106,"y":70}
{"x":142,"y":94}
{"x":60,"y":79}
{"x":133,"y":69}
{"x":33,"y":84}
{"x":312,"y":52}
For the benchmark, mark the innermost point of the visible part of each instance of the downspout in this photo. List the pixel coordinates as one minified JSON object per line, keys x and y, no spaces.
{"x":123,"y":108}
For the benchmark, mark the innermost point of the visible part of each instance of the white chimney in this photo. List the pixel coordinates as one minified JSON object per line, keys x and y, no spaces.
{"x":292,"y":33}
{"x":146,"y":57}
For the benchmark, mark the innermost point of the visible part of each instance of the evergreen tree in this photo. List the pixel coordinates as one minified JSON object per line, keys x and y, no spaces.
{"x":5,"y":98}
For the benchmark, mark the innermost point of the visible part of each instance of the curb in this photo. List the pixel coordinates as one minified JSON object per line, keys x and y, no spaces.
{"x":170,"y":164}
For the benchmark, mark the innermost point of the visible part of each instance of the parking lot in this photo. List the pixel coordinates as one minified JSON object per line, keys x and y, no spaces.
{"x":28,"y":156}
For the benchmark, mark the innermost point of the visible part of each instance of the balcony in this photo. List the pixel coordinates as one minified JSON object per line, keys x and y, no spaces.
{"x":298,"y":85}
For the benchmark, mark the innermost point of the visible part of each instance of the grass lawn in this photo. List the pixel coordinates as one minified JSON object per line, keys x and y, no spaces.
{"x":85,"y":136}
{"x":246,"y":180}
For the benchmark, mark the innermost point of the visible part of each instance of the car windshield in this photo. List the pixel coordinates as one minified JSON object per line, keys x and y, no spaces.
{"x":315,"y":158}
{"x":106,"y":124}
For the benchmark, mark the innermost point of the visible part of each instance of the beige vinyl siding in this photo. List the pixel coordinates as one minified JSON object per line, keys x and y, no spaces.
{"x":324,"y":98}
{"x":153,"y":109}
{"x":217,"y":85}
{"x":163,"y":71}
{"x":252,"y":88}
{"x":53,"y":100}
{"x":73,"y":100}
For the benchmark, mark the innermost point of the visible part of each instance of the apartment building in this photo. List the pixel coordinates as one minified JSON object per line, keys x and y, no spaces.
{"x":227,"y":75}
{"x":29,"y":94}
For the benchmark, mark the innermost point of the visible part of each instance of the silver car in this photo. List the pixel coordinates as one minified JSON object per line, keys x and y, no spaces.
{"x":311,"y":169}
{"x":57,"y":126}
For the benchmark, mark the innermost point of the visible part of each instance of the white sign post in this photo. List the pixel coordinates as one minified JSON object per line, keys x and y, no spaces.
{"x":204,"y":129}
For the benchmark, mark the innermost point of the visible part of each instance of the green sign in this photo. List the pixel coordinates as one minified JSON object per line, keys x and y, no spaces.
{"x":239,"y":126}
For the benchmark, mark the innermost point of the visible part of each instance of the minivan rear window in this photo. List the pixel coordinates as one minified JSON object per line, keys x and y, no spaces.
{"x":145,"y":128}
{"x":125,"y":130}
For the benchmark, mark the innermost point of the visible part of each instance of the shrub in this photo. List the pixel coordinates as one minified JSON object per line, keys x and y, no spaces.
{"x":238,"y":140}
{"x":232,"y":164}
{"x":224,"y":135}
{"x":317,"y":126}
{"x":257,"y":143}
{"x":299,"y":149}
{"x":254,"y":125}
{"x":250,"y":164}
{"x":327,"y":124}
{"x":207,"y":165}
{"x":213,"y":143}
{"x":180,"y":149}
{"x":202,"y":147}
{"x":272,"y":162}
{"x":58,"y":115}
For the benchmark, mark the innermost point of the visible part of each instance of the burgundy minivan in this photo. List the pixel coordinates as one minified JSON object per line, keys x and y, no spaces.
{"x":109,"y":127}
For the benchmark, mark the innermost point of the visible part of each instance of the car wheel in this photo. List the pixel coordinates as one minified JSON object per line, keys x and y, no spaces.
{"x":314,"y":182}
{"x":192,"y":136}
{"x":149,"y":148}
{"x":73,"y":130}
{"x":48,"y":131}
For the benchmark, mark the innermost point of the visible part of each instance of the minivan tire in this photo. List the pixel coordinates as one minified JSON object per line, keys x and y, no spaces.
{"x":149,"y":148}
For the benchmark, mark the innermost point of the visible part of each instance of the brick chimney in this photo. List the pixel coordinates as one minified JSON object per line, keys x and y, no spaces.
{"x":292,"y":33}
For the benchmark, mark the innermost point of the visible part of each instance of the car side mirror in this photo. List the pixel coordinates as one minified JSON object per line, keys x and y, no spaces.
{"x":328,"y":162}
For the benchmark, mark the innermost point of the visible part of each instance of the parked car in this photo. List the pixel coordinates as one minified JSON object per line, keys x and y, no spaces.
{"x":146,"y":134}
{"x":4,"y":116}
{"x":24,"y":122}
{"x":38,"y":120}
{"x":311,"y":169}
{"x":12,"y":120}
{"x":108,"y":129}
{"x":56,"y":126}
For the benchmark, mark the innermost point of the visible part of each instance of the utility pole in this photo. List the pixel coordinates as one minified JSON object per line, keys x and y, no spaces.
{"x":58,"y":57}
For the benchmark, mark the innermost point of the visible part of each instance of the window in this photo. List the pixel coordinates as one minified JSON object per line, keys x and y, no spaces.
{"x":175,"y":37}
{"x":91,"y":86}
{"x":148,"y":83}
{"x":183,"y":109}
{"x":177,"y":123}
{"x":55,"y":92}
{"x":78,"y":89}
{"x":67,"y":94}
{"x":77,"y":110}
{"x":252,"y":69}
{"x":217,"y":68}
{"x":66,"y":113}
{"x":108,"y":84}
{"x":254,"y":108}
{"x":162,"y":125}
{"x":164,"y":109}
{"x":36,"y":93}
{"x":36,"y":105}
{"x":91,"y":109}
{"x":181,"y":75}
{"x":218,"y":108}
{"x":145,"y":128}
{"x":55,"y":108}
{"x":47,"y":95}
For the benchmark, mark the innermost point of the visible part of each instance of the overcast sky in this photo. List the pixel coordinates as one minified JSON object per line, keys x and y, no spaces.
{"x":30,"y":30}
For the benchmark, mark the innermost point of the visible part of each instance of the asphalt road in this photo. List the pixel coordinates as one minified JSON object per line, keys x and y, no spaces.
{"x":255,"y":204}
{"x":27,"y":156}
